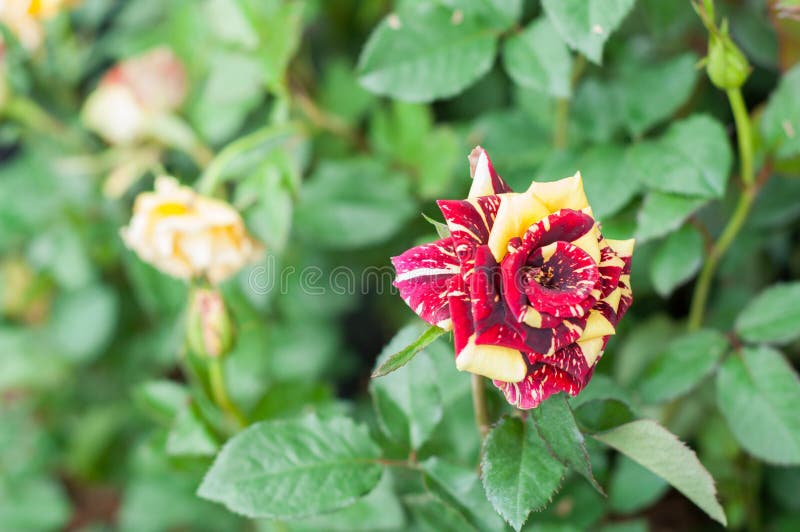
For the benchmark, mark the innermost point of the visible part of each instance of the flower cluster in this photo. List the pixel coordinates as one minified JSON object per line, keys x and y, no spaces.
{"x":526,"y":281}
{"x":135,"y":93}
{"x":188,"y":235}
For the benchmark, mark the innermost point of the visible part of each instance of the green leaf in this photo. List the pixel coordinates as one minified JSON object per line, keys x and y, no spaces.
{"x":84,"y":321}
{"x":662,"y":213}
{"x":537,"y":58}
{"x":163,"y":398}
{"x":773,"y":316}
{"x":654,"y":447}
{"x":461,"y":488}
{"x":556,"y":424}
{"x":594,"y":112}
{"x":33,"y":503}
{"x":649,"y":94}
{"x":392,"y":362}
{"x":519,"y":473}
{"x":305,"y":467}
{"x":758,"y":393}
{"x":408,"y":402}
{"x":436,"y":514}
{"x":609,"y":184}
{"x":678,"y":258}
{"x":189,"y":436}
{"x":682,"y":365}
{"x":585,"y":25}
{"x":379,"y":510}
{"x":496,"y":14}
{"x":633,"y":488}
{"x":354,"y":203}
{"x":232,"y":88}
{"x":441,"y":229}
{"x":429,"y":54}
{"x":692,"y":158}
{"x":780,"y":123}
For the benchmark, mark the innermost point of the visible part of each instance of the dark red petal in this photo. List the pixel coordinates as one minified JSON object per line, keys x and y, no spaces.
{"x":560,"y":283}
{"x":569,"y":359}
{"x":460,"y":312}
{"x":494,"y":324}
{"x":565,"y":225}
{"x":423,"y":277}
{"x":541,"y":382}
{"x":470,"y":222}
{"x":610,"y":268}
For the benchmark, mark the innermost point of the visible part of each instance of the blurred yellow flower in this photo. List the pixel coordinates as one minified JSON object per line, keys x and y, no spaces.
{"x":187,"y":235}
{"x":133,"y":94}
{"x":24,"y":18}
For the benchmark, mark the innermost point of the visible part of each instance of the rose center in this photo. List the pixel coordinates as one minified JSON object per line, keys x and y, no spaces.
{"x":558,"y":276}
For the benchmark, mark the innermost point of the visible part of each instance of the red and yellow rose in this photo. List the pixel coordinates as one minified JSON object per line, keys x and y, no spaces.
{"x":526,"y":281}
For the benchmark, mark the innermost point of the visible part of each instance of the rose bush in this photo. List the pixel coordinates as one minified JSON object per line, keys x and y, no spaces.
{"x":526,"y":281}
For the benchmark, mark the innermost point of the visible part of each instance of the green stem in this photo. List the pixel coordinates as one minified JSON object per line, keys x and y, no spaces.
{"x":31,"y":114}
{"x":216,"y":375}
{"x":479,"y":404}
{"x":212,"y":176}
{"x":561,"y":127}
{"x":745,"y":137}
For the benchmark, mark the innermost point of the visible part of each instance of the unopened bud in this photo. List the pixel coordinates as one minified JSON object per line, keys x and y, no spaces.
{"x":209,"y":327}
{"x":726,"y":65}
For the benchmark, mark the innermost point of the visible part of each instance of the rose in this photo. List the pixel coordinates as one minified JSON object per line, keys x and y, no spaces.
{"x":134,"y":95}
{"x":24,"y":18}
{"x":187,"y":235}
{"x":528,"y":284}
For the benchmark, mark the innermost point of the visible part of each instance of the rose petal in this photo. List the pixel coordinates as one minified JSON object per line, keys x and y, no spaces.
{"x":485,"y":181}
{"x":423,"y":277}
{"x":541,"y":382}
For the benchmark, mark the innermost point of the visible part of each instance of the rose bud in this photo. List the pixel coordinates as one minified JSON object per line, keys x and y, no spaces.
{"x":187,"y":235}
{"x":209,"y":327}
{"x":133,"y":95}
{"x":726,"y":65}
{"x":527,"y":283}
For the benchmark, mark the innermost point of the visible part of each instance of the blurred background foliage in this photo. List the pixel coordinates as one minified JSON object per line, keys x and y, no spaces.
{"x":95,"y":431}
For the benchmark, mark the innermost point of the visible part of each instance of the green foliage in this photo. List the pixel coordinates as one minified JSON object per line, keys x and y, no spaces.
{"x":773,"y":316}
{"x":677,"y":260}
{"x":655,"y":448}
{"x":426,"y":53}
{"x":392,"y":361}
{"x":307,"y":466}
{"x":519,"y":473}
{"x":757,"y":392}
{"x":682,"y":365}
{"x":408,"y":402}
{"x":537,"y":59}
{"x":586,"y":26}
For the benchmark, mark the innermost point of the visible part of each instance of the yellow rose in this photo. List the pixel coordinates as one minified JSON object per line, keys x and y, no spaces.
{"x":187,"y":235}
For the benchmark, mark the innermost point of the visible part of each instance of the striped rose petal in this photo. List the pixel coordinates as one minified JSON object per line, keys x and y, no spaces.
{"x":423,"y":278}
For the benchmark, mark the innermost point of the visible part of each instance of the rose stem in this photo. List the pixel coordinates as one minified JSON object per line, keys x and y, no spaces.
{"x":479,"y":404}
{"x":745,"y":137}
{"x":212,"y":175}
{"x":216,"y":374}
{"x":561,"y":127}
